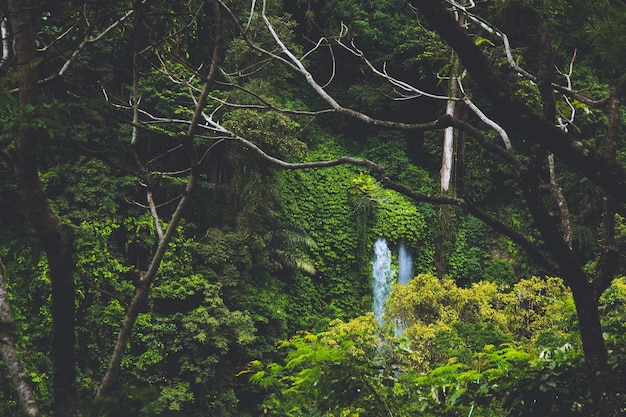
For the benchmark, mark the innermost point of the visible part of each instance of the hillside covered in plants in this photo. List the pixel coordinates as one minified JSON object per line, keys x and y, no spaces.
{"x":337,"y":208}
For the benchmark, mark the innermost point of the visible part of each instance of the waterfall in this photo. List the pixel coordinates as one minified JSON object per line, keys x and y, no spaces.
{"x":405,"y":265}
{"x":383,"y":276}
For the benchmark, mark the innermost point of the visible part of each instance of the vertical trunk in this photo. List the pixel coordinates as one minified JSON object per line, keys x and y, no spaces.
{"x":609,"y":254}
{"x":139,"y":299}
{"x":445,"y":238}
{"x":447,"y":158}
{"x":6,"y":44}
{"x":25,"y":394}
{"x":559,"y":197}
{"x":447,"y":220}
{"x":601,"y":381}
{"x":53,"y":236}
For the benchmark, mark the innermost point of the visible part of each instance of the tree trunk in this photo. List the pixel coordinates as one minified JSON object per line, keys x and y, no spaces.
{"x":445,"y":233}
{"x":447,"y":155}
{"x":53,"y":236}
{"x":447,"y":219}
{"x":447,"y":158}
{"x":9,"y":354}
{"x":601,"y":381}
{"x":146,"y":278}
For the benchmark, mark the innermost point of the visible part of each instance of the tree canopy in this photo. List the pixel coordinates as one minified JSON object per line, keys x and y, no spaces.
{"x":191,"y":193}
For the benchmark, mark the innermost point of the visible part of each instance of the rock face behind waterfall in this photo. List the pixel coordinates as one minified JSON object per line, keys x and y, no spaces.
{"x":383,"y":277}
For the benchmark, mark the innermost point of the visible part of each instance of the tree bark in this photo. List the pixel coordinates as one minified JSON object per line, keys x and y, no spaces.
{"x":514,"y":115}
{"x":164,"y":237}
{"x":447,"y":155}
{"x":9,"y":355}
{"x":561,"y":202}
{"x":585,"y":295}
{"x":53,"y":236}
{"x":601,"y":379}
{"x":6,"y":44}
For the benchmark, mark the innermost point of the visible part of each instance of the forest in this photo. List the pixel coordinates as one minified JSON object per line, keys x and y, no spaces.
{"x":313,"y":208}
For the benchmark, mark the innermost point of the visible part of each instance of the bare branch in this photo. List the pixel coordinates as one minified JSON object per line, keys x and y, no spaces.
{"x":175,"y":148}
{"x":61,"y":36}
{"x":332,"y":60}
{"x":490,"y":123}
{"x":155,"y":214}
{"x":176,"y":32}
{"x":505,"y":40}
{"x":509,"y":111}
{"x":447,"y":154}
{"x":386,"y":182}
{"x":252,"y":7}
{"x":266,"y":104}
{"x":486,"y":120}
{"x":416,"y":92}
{"x":146,"y":278}
{"x":86,"y":41}
{"x":565,"y":90}
{"x":563,"y":124}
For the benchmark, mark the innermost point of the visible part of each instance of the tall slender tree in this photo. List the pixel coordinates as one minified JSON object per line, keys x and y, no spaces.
{"x":54,"y":236}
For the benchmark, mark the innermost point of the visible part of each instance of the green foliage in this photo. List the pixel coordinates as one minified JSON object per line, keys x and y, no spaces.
{"x":182,"y":343}
{"x":337,"y":372}
{"x":597,"y":28}
{"x":499,"y":271}
{"x":461,"y":352}
{"x":507,"y":381}
{"x":83,"y":189}
{"x":397,"y":219}
{"x":319,"y":201}
{"x":50,"y":117}
{"x":262,"y":254}
{"x":386,"y":32}
{"x":344,"y":212}
{"x":470,"y":252}
{"x":254,"y":127}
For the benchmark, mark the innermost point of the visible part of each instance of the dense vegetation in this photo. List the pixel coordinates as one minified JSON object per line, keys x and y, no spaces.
{"x":191,"y":192}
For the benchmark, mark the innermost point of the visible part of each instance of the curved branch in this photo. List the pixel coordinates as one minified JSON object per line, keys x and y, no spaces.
{"x":486,"y":120}
{"x":565,"y":90}
{"x":386,"y":182}
{"x":87,"y":40}
{"x":296,"y":65}
{"x":393,"y":81}
{"x":146,"y":278}
{"x":514,"y":115}
{"x":493,"y":222}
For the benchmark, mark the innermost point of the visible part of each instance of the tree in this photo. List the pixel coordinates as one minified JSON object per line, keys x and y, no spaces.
{"x":55,"y":238}
{"x":37,"y":125}
{"x":489,"y":349}
{"x":512,"y":114}
{"x":538,"y":135}
{"x":190,"y":99}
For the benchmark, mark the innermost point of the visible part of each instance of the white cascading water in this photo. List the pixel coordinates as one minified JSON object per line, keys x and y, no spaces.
{"x":405,"y":265}
{"x":383,"y":277}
